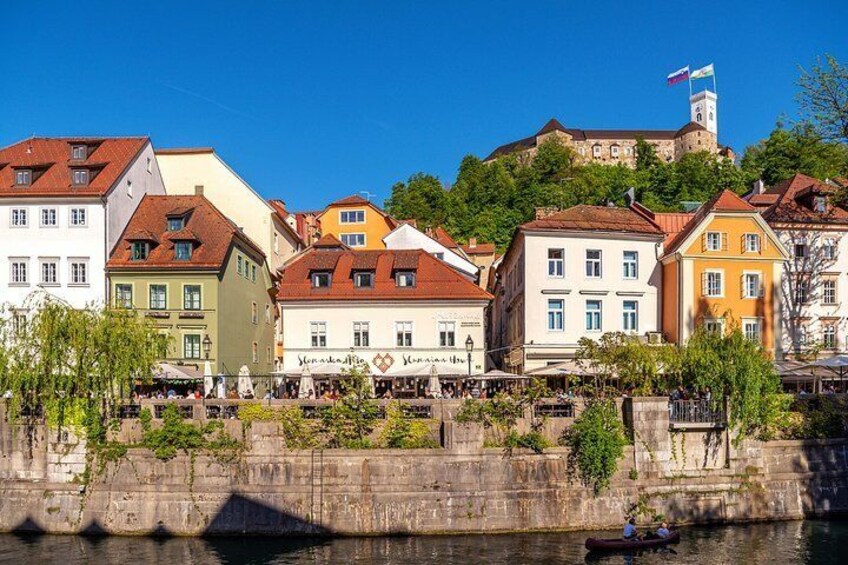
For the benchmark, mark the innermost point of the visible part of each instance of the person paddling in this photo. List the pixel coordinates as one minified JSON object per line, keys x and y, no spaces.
{"x":662,"y":531}
{"x":630,"y":532}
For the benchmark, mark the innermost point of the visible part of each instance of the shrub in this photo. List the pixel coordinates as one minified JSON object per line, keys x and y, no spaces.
{"x":596,"y":441}
{"x":404,"y":432}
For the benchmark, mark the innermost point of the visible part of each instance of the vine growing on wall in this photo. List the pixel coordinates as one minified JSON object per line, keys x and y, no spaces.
{"x":596,"y":442}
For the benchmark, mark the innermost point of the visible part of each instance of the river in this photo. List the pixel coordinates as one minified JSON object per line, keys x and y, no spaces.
{"x":808,"y":542}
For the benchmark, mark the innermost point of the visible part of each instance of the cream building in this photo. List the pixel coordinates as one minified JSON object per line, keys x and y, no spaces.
{"x":201,"y":171}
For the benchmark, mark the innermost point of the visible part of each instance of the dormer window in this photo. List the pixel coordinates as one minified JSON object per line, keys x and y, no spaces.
{"x":140,"y":250}
{"x":405,"y":279}
{"x":363,"y":279}
{"x":79,"y":152}
{"x":23,"y":177}
{"x":80,"y":177}
{"x":176,"y":224}
{"x":321,"y":279}
{"x":183,"y":250}
{"x":820,"y":204}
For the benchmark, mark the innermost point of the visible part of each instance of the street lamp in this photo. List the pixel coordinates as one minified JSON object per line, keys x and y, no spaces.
{"x":207,"y":345}
{"x":469,"y":347}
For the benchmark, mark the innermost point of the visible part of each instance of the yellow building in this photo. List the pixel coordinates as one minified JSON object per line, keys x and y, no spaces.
{"x":357,"y":223}
{"x":722,"y":266}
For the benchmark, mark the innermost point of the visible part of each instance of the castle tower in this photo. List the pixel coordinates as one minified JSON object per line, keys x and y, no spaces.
{"x":704,"y":110}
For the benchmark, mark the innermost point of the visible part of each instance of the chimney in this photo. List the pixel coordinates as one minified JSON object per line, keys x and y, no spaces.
{"x":759,"y":186}
{"x":545,"y":211}
{"x":198,"y":190}
{"x":472,"y":242}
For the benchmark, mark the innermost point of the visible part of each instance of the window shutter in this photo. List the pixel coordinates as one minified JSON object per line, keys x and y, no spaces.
{"x":704,"y":241}
{"x":762,"y":286}
{"x":764,"y":242}
{"x":704,"y":283}
{"x":723,"y":241}
{"x":742,"y":245}
{"x":742,"y":288}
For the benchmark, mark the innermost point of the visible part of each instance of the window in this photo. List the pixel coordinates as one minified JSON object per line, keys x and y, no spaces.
{"x":439,"y":255}
{"x":239,"y":265}
{"x":49,"y":218}
{"x":820,"y":203}
{"x":751,"y":328}
{"x":631,"y":316}
{"x":253,"y":273}
{"x":254,"y":352}
{"x":829,"y":291}
{"x":276,"y":242}
{"x":191,"y":297}
{"x":593,"y":315}
{"x":631,"y":265}
{"x":123,"y":295}
{"x":596,"y":151}
{"x":78,"y":152}
{"x":268,"y":358}
{"x":80,"y":176}
{"x":318,"y":332}
{"x":628,"y":151}
{"x":752,"y":286}
{"x":19,"y":218}
{"x":363,"y":280}
{"x":800,"y":250}
{"x":191,"y":346}
{"x":129,"y":188}
{"x":752,"y":243}
{"x":714,"y":283}
{"x":19,"y":321}
{"x":556,"y":310}
{"x":593,"y":263}
{"x":78,"y":217}
{"x":802,"y":288}
{"x":352,"y":217}
{"x":149,"y":166}
{"x":829,"y":249}
{"x":447,"y":334}
{"x":829,"y":336}
{"x":140,"y":250}
{"x":158,"y":297}
{"x":403,"y":330}
{"x":50,"y":271}
{"x":321,"y":279}
{"x":267,"y":313}
{"x":405,"y":279}
{"x":353,"y":239}
{"x":23,"y":177}
{"x":556,"y":263}
{"x":18,"y":271}
{"x":182,"y":250}
{"x":79,"y":272}
{"x":254,"y":313}
{"x":176,"y":224}
{"x":582,"y":151}
{"x":614,"y":151}
{"x":714,"y":325}
{"x":714,"y":241}
{"x":361,"y":334}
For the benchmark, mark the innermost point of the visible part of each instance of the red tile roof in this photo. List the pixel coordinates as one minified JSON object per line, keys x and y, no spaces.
{"x":672,"y":223}
{"x":442,"y":236}
{"x":356,"y":200}
{"x":724,"y":201}
{"x":205,"y":224}
{"x":434,"y":279}
{"x":793,"y":202}
{"x":479,"y":248}
{"x":329,"y":241}
{"x":184,"y":150}
{"x":596,"y":218}
{"x":353,"y":200}
{"x":280,"y":210}
{"x":50,"y":158}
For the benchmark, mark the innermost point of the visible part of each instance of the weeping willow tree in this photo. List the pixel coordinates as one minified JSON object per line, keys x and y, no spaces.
{"x":66,"y":363}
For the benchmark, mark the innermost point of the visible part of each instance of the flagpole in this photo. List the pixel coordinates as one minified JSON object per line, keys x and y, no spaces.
{"x":715,"y":90}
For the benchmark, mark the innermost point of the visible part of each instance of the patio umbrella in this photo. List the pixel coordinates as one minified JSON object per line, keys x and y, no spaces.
{"x":208,"y":380}
{"x":245,"y":385}
{"x":434,"y":386}
{"x":426,"y":369}
{"x":222,"y":386}
{"x":838,"y":364}
{"x":306,"y":383}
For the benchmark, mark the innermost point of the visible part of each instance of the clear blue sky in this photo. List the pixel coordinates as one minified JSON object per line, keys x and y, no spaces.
{"x":311,"y":101}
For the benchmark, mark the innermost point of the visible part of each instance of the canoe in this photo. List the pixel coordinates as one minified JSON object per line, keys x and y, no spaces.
{"x":618,"y":544}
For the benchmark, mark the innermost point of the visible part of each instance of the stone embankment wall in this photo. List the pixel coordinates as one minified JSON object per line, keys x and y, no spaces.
{"x":691,"y":474}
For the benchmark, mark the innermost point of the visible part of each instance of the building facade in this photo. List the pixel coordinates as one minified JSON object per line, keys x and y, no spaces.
{"x":394,"y":310}
{"x":356,"y":222}
{"x":723,"y":267}
{"x":577,"y":273}
{"x":63,"y":205}
{"x":201,"y":171}
{"x":814,"y":282}
{"x":406,"y":236}
{"x":181,"y":263}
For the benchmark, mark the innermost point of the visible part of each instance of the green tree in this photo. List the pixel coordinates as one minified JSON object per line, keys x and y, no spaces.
{"x":636,"y":363}
{"x":351,"y":419}
{"x":824,"y":98}
{"x":646,"y":155}
{"x":422,"y":197}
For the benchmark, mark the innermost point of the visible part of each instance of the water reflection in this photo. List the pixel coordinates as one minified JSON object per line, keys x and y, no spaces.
{"x":784,"y":542}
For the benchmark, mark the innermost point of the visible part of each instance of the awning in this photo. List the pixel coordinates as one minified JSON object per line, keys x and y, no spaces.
{"x":427,"y":369}
{"x":496,"y":375}
{"x":167,"y":371}
{"x":569,"y":367}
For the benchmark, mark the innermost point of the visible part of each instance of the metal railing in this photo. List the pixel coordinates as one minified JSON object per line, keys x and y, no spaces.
{"x":696,"y":412}
{"x":561,"y":410}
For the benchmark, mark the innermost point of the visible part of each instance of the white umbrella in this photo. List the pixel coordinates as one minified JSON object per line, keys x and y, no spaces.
{"x":838,"y":364}
{"x":208,"y":381}
{"x":245,"y":385}
{"x":306,"y":383}
{"x":426,"y":369}
{"x":434,"y":386}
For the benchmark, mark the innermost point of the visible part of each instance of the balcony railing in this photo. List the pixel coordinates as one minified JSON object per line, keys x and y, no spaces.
{"x":696,"y":412}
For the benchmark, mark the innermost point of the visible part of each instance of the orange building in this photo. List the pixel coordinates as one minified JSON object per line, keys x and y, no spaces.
{"x":357,"y":223}
{"x":721,"y":266}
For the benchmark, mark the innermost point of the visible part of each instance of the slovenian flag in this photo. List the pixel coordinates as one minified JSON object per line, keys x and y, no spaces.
{"x":678,"y":76}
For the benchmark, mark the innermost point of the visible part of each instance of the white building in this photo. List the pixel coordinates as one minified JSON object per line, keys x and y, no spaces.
{"x":814,"y":285}
{"x":405,"y":236}
{"x":201,"y":171}
{"x":396,"y":310}
{"x":64,"y":203}
{"x":577,"y":273}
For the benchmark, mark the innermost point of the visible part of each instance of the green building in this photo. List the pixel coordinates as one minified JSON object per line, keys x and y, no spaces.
{"x":202,"y":281}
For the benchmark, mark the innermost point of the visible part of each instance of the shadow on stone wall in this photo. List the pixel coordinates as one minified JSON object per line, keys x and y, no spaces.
{"x":248,"y":516}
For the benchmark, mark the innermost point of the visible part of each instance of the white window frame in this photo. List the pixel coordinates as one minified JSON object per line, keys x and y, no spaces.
{"x":829,"y":335}
{"x":46,"y":262}
{"x":447,"y":333}
{"x":556,"y":265}
{"x":18,"y":271}
{"x":318,"y":335}
{"x":120,"y":300}
{"x":718,"y":323}
{"x":753,"y":238}
{"x":49,"y":211}
{"x":26,"y":174}
{"x":614,"y":151}
{"x":19,"y":218}
{"x":194,"y":354}
{"x":404,"y":329}
{"x":707,"y":288}
{"x":77,"y":266}
{"x":362,"y":332}
{"x":756,"y":323}
{"x":711,"y":238}
{"x":594,"y":317}
{"x":630,"y":317}
{"x":829,"y":294}
{"x":78,"y":217}
{"x":317,"y":276}
{"x":150,"y":287}
{"x":80,"y":177}
{"x":746,"y":276}
{"x":555,"y":308}
{"x":190,"y":306}
{"x":344,"y":216}
{"x":594,"y":267}
{"x":75,"y":156}
{"x":359,"y":275}
{"x":358,"y":236}
{"x":410,"y":276}
{"x":830,"y":249}
{"x":626,"y":264}
{"x":183,"y":245}
{"x":596,"y":151}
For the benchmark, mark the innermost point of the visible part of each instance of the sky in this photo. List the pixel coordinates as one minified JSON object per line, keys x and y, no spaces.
{"x":312,"y":101}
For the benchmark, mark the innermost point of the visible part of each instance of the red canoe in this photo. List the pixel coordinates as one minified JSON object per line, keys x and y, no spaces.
{"x":618,"y":544}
